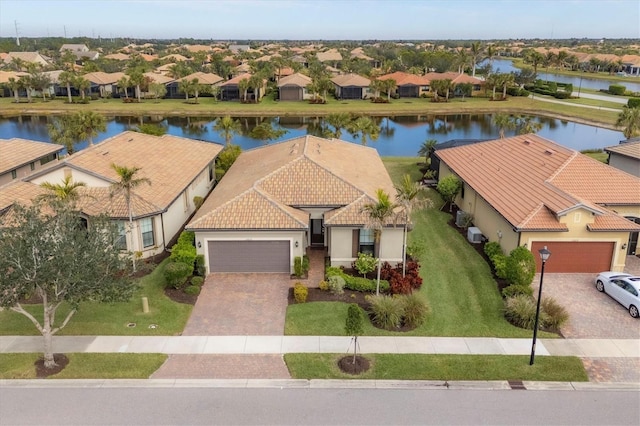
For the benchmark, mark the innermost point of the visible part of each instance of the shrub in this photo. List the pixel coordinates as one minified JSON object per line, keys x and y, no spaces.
{"x":193,"y":290}
{"x":556,"y":314}
{"x":186,"y":255}
{"x":197,"y":281}
{"x":336,"y":284}
{"x":500,"y":265}
{"x":354,"y":324}
{"x":414,"y":310}
{"x":416,"y":249}
{"x":521,"y":266}
{"x":305,"y":264}
{"x":300,"y":292}
{"x":187,"y":238}
{"x":297,"y":266}
{"x":553,"y":86}
{"x":492,"y":248}
{"x":521,"y":312}
{"x":198,"y":201}
{"x":365,"y":263}
{"x":176,"y":273}
{"x":323,"y":285}
{"x":200,"y":268}
{"x":227,"y":157}
{"x":516,"y":290}
{"x":617,"y":89}
{"x":562,"y":95}
{"x":365,"y":285}
{"x":386,"y":311}
{"x":633,"y":102}
{"x":400,"y":284}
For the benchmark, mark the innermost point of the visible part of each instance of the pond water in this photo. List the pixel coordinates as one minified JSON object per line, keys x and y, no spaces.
{"x":506,"y":66}
{"x":399,"y":136}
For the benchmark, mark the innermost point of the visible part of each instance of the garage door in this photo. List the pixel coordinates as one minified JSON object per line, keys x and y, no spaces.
{"x":575,"y":256}
{"x":249,"y":256}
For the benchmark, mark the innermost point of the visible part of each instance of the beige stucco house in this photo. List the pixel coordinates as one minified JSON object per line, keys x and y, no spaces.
{"x":278,"y":200}
{"x":626,"y":157}
{"x":20,"y":158}
{"x":529,"y":191}
{"x":179,"y":169}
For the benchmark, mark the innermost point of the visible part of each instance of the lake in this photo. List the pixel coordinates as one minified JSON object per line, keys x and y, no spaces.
{"x":400,"y":135}
{"x":506,"y":66}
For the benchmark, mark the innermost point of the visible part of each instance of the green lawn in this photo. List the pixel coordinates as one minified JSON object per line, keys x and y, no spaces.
{"x":458,"y":285}
{"x":112,"y":319}
{"x":85,"y":366}
{"x":441,"y":367}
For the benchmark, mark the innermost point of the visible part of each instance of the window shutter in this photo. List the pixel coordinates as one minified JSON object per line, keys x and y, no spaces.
{"x":355,"y":242}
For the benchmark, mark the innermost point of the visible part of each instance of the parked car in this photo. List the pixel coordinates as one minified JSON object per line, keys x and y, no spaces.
{"x":624,"y":288}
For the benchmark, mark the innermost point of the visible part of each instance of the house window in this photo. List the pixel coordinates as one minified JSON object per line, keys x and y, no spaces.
{"x":367,"y":241}
{"x":32,"y":166}
{"x":48,"y":158}
{"x":121,"y":240}
{"x":146,"y":228}
{"x":14,"y":174}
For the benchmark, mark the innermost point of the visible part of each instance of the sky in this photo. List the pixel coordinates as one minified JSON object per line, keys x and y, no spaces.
{"x":322,"y":19}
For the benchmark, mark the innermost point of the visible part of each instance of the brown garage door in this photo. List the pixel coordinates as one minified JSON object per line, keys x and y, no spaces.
{"x":575,"y":256}
{"x":288,"y":93}
{"x":249,"y":256}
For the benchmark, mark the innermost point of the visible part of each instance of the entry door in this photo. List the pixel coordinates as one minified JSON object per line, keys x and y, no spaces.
{"x":317,"y":232}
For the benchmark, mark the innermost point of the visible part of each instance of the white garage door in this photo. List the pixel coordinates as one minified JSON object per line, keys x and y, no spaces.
{"x":249,"y":256}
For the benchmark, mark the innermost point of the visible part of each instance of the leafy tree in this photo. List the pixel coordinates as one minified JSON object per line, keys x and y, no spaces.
{"x":506,"y":80}
{"x":266,"y":132}
{"x":124,"y":83}
{"x":535,"y":59}
{"x":410,"y":195}
{"x":524,"y":76}
{"x":427,"y":148}
{"x":465,"y":89}
{"x":354,"y":326}
{"x":127,"y":183}
{"x":136,"y":78}
{"x":339,"y":121}
{"x":325,"y":85}
{"x":62,"y":130}
{"x":82,"y":84}
{"x":256,"y":82}
{"x":15,"y":86}
{"x":49,"y":252}
{"x":88,"y":125}
{"x":629,"y":119}
{"x":158,"y":90}
{"x":449,"y":187}
{"x":376,"y":86}
{"x":150,"y":129}
{"x":227,"y":127}
{"x":228,"y":156}
{"x":364,"y":127}
{"x":503,"y":122}
{"x":389,"y":86}
{"x":378,"y":214}
{"x":365,"y":263}
{"x":40,"y":81}
{"x":527,"y":125}
{"x":27,"y":84}
{"x":187,"y":86}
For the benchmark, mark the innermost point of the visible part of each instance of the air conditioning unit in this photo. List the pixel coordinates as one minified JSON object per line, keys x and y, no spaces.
{"x":474,"y":235}
{"x":461,"y":217}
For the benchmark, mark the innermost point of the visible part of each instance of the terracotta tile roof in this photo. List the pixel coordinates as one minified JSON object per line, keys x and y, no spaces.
{"x":118,"y":56}
{"x":307,"y":171}
{"x":18,"y":152}
{"x":405,"y":79}
{"x":175,"y":57}
{"x":158,"y":78}
{"x":628,"y":149}
{"x":100,"y":77}
{"x":6,"y":75}
{"x":296,"y":79}
{"x":235,"y":80}
{"x":613,"y":222}
{"x":530,"y":180}
{"x":346,"y":80}
{"x":329,"y":55}
{"x":454,"y":77}
{"x":204,"y":78}
{"x":18,"y":192}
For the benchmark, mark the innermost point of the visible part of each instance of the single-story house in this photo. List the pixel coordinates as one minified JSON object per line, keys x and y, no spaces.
{"x":179,"y":170}
{"x":352,"y":86}
{"x":332,"y":56}
{"x":294,"y":87}
{"x":457,"y":78}
{"x":625,"y":156}
{"x":407,"y":85}
{"x":230,"y":90}
{"x":28,"y":57}
{"x":104,"y":83}
{"x":278,"y":200}
{"x":20,"y":157}
{"x":205,"y":79}
{"x":529,"y":191}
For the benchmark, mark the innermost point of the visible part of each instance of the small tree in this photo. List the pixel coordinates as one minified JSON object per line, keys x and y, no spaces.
{"x":449,"y":187}
{"x":49,"y":252}
{"x":521,"y":266}
{"x":354,"y":326}
{"x":365,"y":263}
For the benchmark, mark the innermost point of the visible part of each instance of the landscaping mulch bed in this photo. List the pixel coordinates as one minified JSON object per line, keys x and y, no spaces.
{"x":317,"y":295}
{"x":42,"y":372}
{"x":347,"y":365}
{"x":178,"y":295}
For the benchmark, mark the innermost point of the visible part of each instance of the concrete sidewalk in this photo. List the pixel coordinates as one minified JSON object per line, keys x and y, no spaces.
{"x":601,"y":348}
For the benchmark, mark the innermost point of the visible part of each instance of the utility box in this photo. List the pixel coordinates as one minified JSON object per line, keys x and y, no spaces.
{"x":474,"y":235}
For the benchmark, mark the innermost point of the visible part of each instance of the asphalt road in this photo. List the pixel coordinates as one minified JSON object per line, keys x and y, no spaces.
{"x":245,"y":406}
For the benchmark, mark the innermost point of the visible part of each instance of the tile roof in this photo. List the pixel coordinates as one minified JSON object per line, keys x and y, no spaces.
{"x":6,"y":75}
{"x":18,"y":152}
{"x":235,"y":80}
{"x":117,"y":56}
{"x":454,"y":77}
{"x":530,"y":180}
{"x":204,"y":78}
{"x":100,"y":77}
{"x":307,"y":171}
{"x":346,"y":80}
{"x":296,"y":79}
{"x":404,"y":79}
{"x":628,"y":149}
{"x":329,"y":55}
{"x":158,"y":78}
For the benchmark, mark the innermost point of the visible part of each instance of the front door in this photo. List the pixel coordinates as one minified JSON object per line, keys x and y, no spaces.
{"x":317,"y":232}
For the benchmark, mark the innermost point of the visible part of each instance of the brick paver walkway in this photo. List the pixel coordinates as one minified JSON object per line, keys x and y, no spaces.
{"x":223,"y":367}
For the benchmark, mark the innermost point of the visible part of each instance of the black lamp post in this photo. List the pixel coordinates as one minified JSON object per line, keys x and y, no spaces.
{"x":544,"y":256}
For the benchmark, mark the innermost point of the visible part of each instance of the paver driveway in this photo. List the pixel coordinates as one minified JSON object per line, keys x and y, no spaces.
{"x":240,"y":304}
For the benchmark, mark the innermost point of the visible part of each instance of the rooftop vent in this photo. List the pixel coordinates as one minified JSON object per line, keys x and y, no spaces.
{"x":526,"y":142}
{"x":549,"y":151}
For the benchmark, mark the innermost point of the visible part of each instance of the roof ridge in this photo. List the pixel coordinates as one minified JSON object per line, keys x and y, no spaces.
{"x":210,"y":212}
{"x":530,"y":216}
{"x":342,"y":209}
{"x":279,"y":205}
{"x":562,"y":167}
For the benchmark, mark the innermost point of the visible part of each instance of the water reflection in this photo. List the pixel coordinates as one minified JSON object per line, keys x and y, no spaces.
{"x":399,"y":135}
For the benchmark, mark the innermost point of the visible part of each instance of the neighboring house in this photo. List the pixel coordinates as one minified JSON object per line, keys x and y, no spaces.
{"x":529,"y":191}
{"x":179,"y":170}
{"x":230,"y":91}
{"x":332,"y":56}
{"x":237,"y":48}
{"x":294,"y":87}
{"x":104,"y":83}
{"x":352,"y":86}
{"x":631,"y":64}
{"x":74,"y":48}
{"x":5,"y":91}
{"x":205,"y":79}
{"x":29,"y":57}
{"x":118,"y":57}
{"x":456,"y":78}
{"x":407,"y":85}
{"x":278,"y":200}
{"x":625,"y":157}
{"x":175,"y":57}
{"x":20,"y":157}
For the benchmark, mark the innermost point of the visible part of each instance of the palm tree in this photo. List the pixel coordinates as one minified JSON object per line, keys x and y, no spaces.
{"x":493,"y":81}
{"x":490,"y":54}
{"x":124,"y":83}
{"x":535,"y":58}
{"x":27,"y":84}
{"x":136,"y":78}
{"x":410,"y":196}
{"x":186,"y":86}
{"x":89,"y":123}
{"x":476,"y":53}
{"x":256,"y":82}
{"x":15,"y":86}
{"x":376,"y":86}
{"x":67,"y":191}
{"x":127,"y":183}
{"x":339,"y":121}
{"x":629,"y":118}
{"x":243,"y":86}
{"x":67,"y":78}
{"x":503,"y":122}
{"x":227,"y":127}
{"x":506,"y":80}
{"x":266,"y":132}
{"x":325,"y":85}
{"x":364,"y":127}
{"x":62,"y":131}
{"x":461,"y":60}
{"x":426,"y":149}
{"x":379,"y":214}
{"x":389,"y":86}
{"x":82,"y":84}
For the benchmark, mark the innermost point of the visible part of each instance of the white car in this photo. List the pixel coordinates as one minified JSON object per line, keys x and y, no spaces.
{"x":624,"y":288}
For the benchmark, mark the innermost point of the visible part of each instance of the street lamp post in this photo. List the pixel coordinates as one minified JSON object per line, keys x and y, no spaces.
{"x":544,"y":256}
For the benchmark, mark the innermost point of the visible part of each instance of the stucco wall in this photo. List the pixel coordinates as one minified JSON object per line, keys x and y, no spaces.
{"x":58,"y":175}
{"x":626,"y":164}
{"x":341,"y":245}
